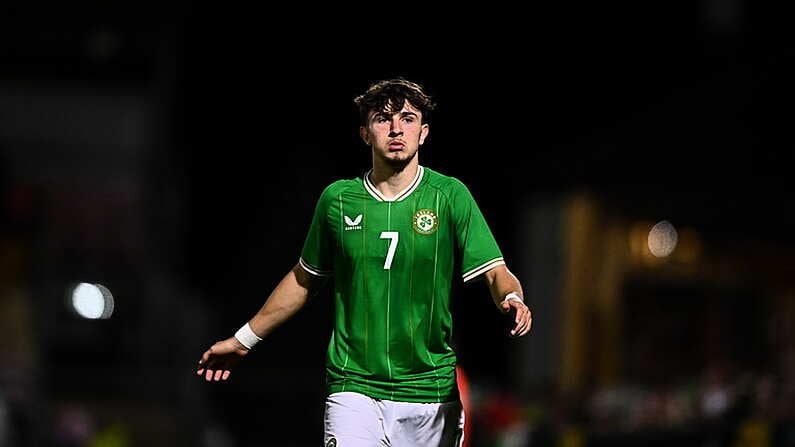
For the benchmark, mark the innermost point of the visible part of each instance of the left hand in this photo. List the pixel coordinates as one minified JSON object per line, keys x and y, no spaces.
{"x":523,"y":317}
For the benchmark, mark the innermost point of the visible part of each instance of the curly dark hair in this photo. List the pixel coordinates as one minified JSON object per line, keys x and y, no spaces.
{"x":389,"y":96}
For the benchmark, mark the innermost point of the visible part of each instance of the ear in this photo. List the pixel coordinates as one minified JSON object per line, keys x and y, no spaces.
{"x":424,"y":133}
{"x":364,"y":133}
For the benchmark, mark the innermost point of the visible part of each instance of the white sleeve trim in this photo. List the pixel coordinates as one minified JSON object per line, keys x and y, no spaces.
{"x":483,"y":268}
{"x":313,"y":270}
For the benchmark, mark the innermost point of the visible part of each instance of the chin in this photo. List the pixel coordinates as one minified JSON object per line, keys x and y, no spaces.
{"x":399,"y":159}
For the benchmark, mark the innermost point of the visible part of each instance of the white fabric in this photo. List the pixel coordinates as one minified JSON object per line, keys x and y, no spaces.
{"x":355,"y":420}
{"x":513,"y":296}
{"x":247,"y":337}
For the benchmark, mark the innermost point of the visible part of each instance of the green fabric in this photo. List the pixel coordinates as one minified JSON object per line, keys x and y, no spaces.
{"x":393,"y":325}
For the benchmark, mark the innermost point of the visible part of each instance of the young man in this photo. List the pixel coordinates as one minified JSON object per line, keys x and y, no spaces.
{"x":390,"y":240}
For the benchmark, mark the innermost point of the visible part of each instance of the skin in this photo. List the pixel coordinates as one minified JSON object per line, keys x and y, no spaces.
{"x":502,"y":282}
{"x":395,"y":141}
{"x":289,"y":296}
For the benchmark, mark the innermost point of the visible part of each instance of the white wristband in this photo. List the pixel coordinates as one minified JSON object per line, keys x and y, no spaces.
{"x":247,"y":337}
{"x":513,"y":296}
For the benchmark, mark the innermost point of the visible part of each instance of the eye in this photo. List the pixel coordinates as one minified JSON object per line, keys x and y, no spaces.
{"x":408,"y":119}
{"x":380,"y":119}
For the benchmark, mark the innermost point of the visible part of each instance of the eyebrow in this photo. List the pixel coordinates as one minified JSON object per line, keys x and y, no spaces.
{"x":402,"y":114}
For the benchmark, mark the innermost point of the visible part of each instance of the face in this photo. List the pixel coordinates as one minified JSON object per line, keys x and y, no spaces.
{"x":396,"y":138}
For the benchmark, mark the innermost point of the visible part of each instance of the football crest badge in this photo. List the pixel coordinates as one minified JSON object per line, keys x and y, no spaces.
{"x":425,"y":221}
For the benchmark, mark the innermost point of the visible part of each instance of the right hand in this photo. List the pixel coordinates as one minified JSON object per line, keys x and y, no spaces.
{"x":216,"y":363}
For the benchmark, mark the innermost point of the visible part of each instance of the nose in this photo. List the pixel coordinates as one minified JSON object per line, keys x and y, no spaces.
{"x":395,"y":128}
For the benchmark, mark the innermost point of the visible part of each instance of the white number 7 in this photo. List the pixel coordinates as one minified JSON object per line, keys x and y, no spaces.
{"x":393,"y":241}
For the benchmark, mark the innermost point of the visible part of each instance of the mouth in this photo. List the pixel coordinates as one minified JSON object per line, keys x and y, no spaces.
{"x":395,"y":146}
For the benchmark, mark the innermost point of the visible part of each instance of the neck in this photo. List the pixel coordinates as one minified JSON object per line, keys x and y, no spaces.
{"x":391,"y":180}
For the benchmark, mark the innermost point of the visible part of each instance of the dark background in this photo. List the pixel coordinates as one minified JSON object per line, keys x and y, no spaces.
{"x":174,"y":154}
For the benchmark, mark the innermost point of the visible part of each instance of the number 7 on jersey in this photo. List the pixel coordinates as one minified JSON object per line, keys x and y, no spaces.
{"x":393,"y":237}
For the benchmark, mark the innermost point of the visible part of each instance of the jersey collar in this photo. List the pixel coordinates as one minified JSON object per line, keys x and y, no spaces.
{"x":368,"y":185}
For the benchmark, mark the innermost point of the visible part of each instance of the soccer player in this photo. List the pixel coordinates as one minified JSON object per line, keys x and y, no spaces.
{"x":391,"y":240}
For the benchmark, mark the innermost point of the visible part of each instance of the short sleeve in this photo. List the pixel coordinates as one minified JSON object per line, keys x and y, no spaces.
{"x":317,"y":256}
{"x":479,"y":250}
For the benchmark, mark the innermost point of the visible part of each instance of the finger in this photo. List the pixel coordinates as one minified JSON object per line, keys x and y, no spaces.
{"x":515,"y":331}
{"x":506,"y":306}
{"x":200,"y":371}
{"x":522,"y":327}
{"x":517,"y":323}
{"x":517,"y":312}
{"x":208,"y":376}
{"x":522,"y":324}
{"x":226,"y":375}
{"x":525,"y":314}
{"x":218,"y":374}
{"x":529,"y":321}
{"x":205,"y":357}
{"x":526,"y":326}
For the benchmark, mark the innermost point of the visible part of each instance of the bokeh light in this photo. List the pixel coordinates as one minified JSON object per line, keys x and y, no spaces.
{"x":92,"y":301}
{"x":662,"y":239}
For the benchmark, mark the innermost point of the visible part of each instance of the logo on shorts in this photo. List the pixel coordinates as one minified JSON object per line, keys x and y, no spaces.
{"x":331,"y":442}
{"x":425,"y":221}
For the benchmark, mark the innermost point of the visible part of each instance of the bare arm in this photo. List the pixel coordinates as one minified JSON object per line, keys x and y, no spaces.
{"x":287,"y":298}
{"x":501,"y":282}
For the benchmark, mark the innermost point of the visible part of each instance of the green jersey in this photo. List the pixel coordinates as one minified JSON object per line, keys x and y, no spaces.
{"x":392,"y":262}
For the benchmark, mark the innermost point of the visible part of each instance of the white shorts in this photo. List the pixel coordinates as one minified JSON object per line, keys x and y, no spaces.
{"x":355,"y":420}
